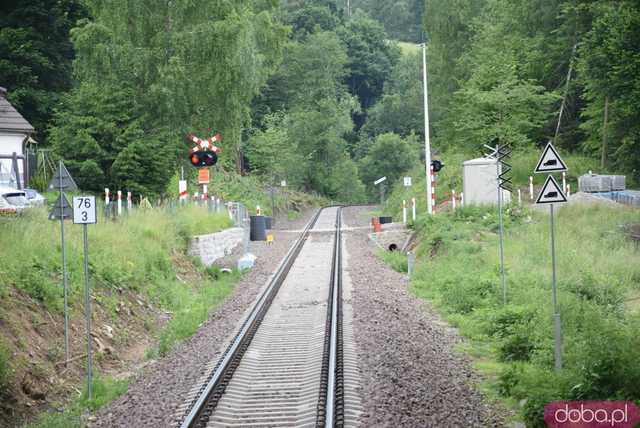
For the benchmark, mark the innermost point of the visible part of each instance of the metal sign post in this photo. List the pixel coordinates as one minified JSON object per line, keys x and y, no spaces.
{"x":502,"y":153}
{"x":84,"y":213}
{"x":62,"y":181}
{"x":380,"y":182}
{"x":551,"y":194}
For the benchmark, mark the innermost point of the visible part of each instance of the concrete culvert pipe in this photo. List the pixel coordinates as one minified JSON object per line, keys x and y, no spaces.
{"x":393,"y":247}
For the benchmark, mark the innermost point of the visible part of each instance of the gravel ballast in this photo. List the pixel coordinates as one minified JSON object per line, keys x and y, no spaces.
{"x":411,"y":375}
{"x":160,"y":388}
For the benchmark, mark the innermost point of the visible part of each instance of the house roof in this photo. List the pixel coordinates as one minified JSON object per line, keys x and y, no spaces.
{"x":10,"y":119}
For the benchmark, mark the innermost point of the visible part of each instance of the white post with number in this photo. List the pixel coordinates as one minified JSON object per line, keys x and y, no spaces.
{"x":84,"y":213}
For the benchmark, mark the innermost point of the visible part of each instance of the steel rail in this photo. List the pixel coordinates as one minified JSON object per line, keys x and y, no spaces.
{"x":331,"y":400}
{"x":236,"y":349}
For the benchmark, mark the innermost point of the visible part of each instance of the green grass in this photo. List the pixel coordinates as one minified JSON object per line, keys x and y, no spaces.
{"x":598,"y":271}
{"x":5,"y":369}
{"x":251,"y":191}
{"x":131,"y":253}
{"x":191,"y":308}
{"x":104,"y":390}
{"x":138,"y":252}
{"x":450,"y":177}
{"x":396,"y":259}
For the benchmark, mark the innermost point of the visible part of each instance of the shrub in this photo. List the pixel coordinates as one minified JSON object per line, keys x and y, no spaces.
{"x":5,"y":369}
{"x":396,"y":259}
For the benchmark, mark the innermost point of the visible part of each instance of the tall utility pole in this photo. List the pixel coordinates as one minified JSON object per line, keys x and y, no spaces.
{"x":349,"y":8}
{"x":427,"y":144}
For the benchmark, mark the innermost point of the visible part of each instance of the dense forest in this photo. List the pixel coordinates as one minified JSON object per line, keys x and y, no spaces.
{"x":325,"y":94}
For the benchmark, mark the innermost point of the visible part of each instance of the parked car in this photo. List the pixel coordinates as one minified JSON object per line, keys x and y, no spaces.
{"x":35,"y":199}
{"x":12,"y":201}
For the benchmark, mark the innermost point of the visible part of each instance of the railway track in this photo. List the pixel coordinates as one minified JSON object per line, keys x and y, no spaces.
{"x":287,"y":364}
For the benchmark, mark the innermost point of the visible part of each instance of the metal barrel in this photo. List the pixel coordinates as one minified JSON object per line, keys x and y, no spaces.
{"x":258,"y":230}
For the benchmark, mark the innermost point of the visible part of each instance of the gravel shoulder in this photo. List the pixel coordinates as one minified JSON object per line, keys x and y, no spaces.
{"x":160,"y":388}
{"x":411,"y":374}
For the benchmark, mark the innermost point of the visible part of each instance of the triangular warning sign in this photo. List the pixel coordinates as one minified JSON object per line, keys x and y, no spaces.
{"x":551,"y":193}
{"x":66,"y":211}
{"x":62,"y":180}
{"x":550,"y":161}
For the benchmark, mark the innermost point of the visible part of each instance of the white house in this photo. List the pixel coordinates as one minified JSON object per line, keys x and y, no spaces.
{"x":15,"y":135}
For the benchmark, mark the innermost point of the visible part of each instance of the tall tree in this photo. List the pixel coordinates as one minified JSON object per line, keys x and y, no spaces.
{"x":609,"y":65}
{"x":36,"y":54}
{"x":191,"y":66}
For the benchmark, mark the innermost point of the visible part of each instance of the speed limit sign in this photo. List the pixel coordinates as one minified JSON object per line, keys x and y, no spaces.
{"x":84,"y":210}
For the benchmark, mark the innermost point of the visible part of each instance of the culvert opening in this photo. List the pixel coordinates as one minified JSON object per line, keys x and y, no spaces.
{"x":393,"y":247}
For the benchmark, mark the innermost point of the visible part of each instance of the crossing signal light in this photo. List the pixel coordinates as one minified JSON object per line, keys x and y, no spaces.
{"x":203,"y":158}
{"x":436,"y":165}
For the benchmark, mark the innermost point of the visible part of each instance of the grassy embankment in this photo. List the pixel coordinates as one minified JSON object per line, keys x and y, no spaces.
{"x":512,"y":344}
{"x":251,"y":191}
{"x":143,"y":254}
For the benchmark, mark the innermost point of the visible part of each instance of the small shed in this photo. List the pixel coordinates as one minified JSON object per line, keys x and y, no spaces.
{"x":480,"y":182}
{"x":15,"y":136}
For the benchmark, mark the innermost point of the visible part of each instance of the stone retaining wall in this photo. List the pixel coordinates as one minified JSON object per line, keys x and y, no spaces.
{"x":212,"y":247}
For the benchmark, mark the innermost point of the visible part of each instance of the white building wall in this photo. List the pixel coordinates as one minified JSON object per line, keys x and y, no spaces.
{"x":10,"y":143}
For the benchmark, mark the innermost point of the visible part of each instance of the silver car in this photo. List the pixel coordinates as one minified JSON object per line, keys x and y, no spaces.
{"x":35,"y":199}
{"x":12,"y":201}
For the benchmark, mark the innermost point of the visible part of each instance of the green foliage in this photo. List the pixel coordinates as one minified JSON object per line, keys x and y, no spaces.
{"x":344,"y":185}
{"x":143,"y":87}
{"x":371,"y":58}
{"x":310,"y":19}
{"x":458,"y":269}
{"x":505,"y":63}
{"x":610,"y":66}
{"x":402,"y":19}
{"x":132,"y":253}
{"x":103,"y":146}
{"x":396,"y":259}
{"x":190,"y":309}
{"x":36,"y":55}
{"x":497,"y":101}
{"x":5,"y":368}
{"x":272,"y":154}
{"x":390,"y":156}
{"x":400,"y":110}
{"x":103,"y":391}
{"x":314,"y":70}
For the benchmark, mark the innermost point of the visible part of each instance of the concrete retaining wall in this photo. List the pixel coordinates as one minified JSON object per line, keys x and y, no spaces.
{"x":215,"y":246}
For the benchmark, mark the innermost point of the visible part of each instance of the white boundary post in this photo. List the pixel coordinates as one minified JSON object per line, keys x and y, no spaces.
{"x":433,"y":191}
{"x":453,"y":198}
{"x":413,"y":208}
{"x":462,"y":199}
{"x":531,"y":188}
{"x":119,"y":202}
{"x":129,"y":201}
{"x":404,"y":211}
{"x":519,"y":197}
